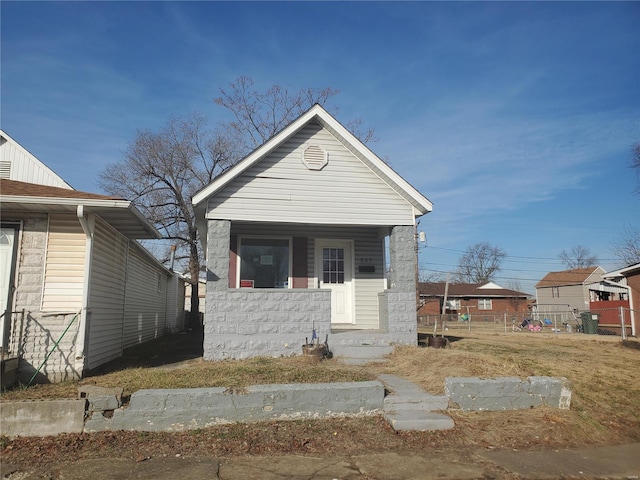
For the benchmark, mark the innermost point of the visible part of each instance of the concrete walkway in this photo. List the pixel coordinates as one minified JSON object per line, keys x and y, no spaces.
{"x":610,"y":462}
{"x":408,"y":407}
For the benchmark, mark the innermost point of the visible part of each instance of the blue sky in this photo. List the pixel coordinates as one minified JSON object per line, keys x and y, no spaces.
{"x":515,"y":118}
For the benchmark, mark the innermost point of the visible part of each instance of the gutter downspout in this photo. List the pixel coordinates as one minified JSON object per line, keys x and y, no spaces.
{"x":88,"y":226}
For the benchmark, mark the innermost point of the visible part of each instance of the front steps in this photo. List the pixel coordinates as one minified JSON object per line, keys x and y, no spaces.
{"x":358,"y":347}
{"x":361,"y":354}
{"x":408,"y":407}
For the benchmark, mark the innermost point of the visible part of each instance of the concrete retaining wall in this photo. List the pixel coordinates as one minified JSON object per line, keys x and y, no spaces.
{"x":191,"y":408}
{"x":509,"y":393}
{"x":42,"y":417}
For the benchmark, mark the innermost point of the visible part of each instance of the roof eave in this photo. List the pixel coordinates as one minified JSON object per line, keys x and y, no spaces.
{"x":100,"y":207}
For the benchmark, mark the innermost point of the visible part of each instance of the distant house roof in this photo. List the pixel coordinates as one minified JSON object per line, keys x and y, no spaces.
{"x":121,"y":214}
{"x":576,"y":276}
{"x":627,"y":271}
{"x":460,"y":290}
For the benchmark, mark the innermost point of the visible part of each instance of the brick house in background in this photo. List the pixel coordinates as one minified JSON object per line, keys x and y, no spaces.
{"x":478,"y":301}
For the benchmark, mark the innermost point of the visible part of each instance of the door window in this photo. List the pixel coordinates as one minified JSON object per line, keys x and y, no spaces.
{"x":333,"y":265}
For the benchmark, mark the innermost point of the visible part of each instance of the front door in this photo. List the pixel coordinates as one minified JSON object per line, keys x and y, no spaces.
{"x":334,"y":267}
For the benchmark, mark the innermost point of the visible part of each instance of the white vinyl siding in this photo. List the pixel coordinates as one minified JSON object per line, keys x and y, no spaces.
{"x":16,"y":163}
{"x":126,"y":305}
{"x":64,"y":267}
{"x":568,"y":297}
{"x":107,"y":294}
{"x":145,"y":304}
{"x":281,"y":188}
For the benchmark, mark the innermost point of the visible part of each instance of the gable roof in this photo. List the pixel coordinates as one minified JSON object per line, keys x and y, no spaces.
{"x":16,"y":163}
{"x":318,"y":114}
{"x":121,"y":214}
{"x":628,"y":271}
{"x":576,"y":276}
{"x":475,"y":290}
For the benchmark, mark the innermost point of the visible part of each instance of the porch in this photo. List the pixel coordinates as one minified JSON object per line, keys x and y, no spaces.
{"x":242,"y":321}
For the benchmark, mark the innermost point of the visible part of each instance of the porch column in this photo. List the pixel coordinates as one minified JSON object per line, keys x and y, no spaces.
{"x":218,"y":242}
{"x":402,"y":259}
{"x":401,"y":296}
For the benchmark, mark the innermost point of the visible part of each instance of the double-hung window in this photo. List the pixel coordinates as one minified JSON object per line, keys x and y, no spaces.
{"x":264,"y":262}
{"x":484,"y":304}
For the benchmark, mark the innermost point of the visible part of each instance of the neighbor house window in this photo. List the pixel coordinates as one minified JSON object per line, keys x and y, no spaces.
{"x":453,"y":304}
{"x":264,"y":262}
{"x":555,"y":292}
{"x":484,"y":304}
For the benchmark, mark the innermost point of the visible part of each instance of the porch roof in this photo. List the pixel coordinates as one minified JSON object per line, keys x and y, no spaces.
{"x":121,"y":214}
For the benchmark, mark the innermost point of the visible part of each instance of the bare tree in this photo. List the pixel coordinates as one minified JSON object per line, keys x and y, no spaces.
{"x":515,"y":300}
{"x":259,"y":115}
{"x":159,"y":174}
{"x":578,"y":257}
{"x":626,"y":246}
{"x":479,"y":263}
{"x":635,"y":164}
{"x":162,"y":170}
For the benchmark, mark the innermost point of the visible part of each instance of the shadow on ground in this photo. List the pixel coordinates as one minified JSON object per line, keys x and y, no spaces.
{"x":166,"y":350}
{"x":423,"y":339}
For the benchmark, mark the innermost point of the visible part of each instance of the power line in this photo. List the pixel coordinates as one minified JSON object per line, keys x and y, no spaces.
{"x":553,"y":259}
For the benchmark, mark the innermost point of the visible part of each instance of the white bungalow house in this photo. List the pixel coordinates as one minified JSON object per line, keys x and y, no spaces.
{"x":296,"y":237}
{"x":76,"y":288}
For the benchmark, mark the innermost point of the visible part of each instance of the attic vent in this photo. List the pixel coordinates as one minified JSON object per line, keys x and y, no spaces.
{"x":5,"y":169}
{"x":314,"y":157}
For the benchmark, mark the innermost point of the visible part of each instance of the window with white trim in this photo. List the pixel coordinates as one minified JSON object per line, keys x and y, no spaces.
{"x":264,"y":262}
{"x":453,"y":304}
{"x":484,"y":304}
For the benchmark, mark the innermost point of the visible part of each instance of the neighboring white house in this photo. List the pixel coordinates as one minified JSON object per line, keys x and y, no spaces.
{"x":76,"y":288}
{"x":295,"y":239}
{"x":16,"y":163}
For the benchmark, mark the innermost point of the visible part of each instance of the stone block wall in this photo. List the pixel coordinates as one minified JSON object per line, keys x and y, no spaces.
{"x":36,"y":332}
{"x":400,"y":299}
{"x":192,"y":408}
{"x":509,"y":393}
{"x":264,"y":322}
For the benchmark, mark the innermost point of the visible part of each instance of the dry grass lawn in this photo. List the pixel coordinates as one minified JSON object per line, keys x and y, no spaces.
{"x":604,"y":374}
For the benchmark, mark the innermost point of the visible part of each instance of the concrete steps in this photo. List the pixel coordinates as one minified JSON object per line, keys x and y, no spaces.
{"x":408,"y":407}
{"x":361,"y":354}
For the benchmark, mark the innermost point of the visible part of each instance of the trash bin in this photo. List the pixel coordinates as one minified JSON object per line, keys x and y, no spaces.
{"x":589,"y":322}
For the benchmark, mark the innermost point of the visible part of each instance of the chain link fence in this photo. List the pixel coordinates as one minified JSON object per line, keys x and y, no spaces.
{"x":609,"y":321}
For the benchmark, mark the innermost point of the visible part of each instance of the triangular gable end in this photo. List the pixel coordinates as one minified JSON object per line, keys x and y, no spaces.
{"x":273,"y":182}
{"x":18,"y":164}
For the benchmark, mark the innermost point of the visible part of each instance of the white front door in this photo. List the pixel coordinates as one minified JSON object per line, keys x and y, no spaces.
{"x":334,"y":267}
